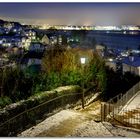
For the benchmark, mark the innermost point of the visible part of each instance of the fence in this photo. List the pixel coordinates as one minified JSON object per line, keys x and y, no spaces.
{"x":114,"y":110}
{"x":28,"y":118}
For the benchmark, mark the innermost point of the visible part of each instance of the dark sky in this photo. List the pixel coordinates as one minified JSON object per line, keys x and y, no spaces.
{"x":72,"y":13}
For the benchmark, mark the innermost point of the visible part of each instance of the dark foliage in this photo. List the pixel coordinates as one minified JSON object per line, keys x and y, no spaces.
{"x":118,"y":83}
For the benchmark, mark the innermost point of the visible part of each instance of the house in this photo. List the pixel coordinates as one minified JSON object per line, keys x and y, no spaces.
{"x":8,"y":25}
{"x":30,"y":33}
{"x":2,"y":31}
{"x":37,"y":47}
{"x":24,"y":42}
{"x":59,"y":39}
{"x":131,"y":64}
{"x":16,"y":29}
{"x":100,"y":50}
{"x":6,"y":30}
{"x":53,"y":40}
{"x":5,"y":41}
{"x":20,"y":41}
{"x":45,"y":40}
{"x":100,"y":47}
{"x":32,"y":61}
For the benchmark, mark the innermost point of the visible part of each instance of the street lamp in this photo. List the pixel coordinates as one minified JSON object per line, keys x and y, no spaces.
{"x":83,"y":61}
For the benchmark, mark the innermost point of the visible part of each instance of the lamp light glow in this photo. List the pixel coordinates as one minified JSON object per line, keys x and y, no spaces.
{"x":83,"y":60}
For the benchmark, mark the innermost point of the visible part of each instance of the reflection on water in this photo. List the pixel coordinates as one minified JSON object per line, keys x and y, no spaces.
{"x":117,"y":39}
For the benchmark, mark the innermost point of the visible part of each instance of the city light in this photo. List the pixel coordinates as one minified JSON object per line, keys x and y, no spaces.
{"x":106,"y":28}
{"x":110,"y":59}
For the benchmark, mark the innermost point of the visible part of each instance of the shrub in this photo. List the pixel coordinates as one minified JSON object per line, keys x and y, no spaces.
{"x":5,"y":101}
{"x":63,"y":67}
{"x":118,"y":83}
{"x":71,"y":78}
{"x":14,"y":84}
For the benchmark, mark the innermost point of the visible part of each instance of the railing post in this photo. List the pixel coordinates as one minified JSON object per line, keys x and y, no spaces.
{"x":126,"y":98}
{"x":113,"y":112}
{"x":133,"y":90}
{"x":8,"y":127}
{"x":83,"y":101}
{"x":109,"y":108}
{"x":103,"y":112}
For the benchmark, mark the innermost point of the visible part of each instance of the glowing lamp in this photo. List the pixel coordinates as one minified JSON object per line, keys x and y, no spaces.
{"x":83,"y":60}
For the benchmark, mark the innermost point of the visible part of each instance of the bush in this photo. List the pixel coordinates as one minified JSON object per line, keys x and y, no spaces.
{"x":5,"y":101}
{"x":15,"y":84}
{"x":53,"y":81}
{"x":43,"y":82}
{"x":63,"y":67}
{"x":118,"y":83}
{"x":71,"y":78}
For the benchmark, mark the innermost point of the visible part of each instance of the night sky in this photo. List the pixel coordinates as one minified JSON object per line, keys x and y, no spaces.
{"x":72,"y":13}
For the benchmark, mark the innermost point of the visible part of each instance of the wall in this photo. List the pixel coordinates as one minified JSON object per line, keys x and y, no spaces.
{"x":128,"y":68}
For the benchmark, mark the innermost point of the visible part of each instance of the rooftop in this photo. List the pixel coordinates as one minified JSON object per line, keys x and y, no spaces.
{"x":135,"y":62}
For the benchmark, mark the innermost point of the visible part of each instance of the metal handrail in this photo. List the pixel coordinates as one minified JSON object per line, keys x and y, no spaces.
{"x":31,"y":109}
{"x":116,"y":107}
{"x":111,"y":100}
{"x":127,"y":94}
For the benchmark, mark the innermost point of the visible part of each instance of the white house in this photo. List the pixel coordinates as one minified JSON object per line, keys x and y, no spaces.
{"x":100,"y":47}
{"x":5,"y":41}
{"x":20,"y":41}
{"x":100,"y":50}
{"x":131,"y":64}
{"x":45,"y":40}
{"x":31,"y":34}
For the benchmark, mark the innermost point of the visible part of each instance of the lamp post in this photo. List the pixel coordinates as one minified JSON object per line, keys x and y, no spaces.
{"x":83,"y":61}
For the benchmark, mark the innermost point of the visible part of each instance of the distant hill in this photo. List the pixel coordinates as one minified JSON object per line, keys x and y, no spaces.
{"x":2,"y":22}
